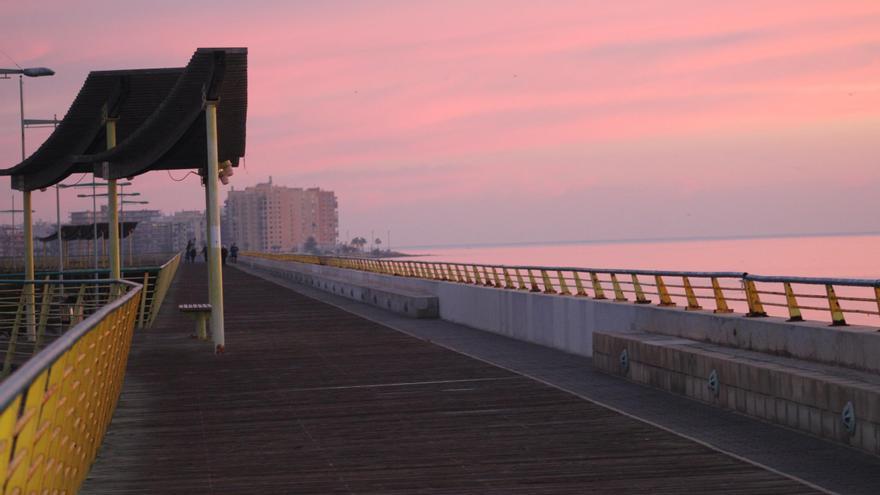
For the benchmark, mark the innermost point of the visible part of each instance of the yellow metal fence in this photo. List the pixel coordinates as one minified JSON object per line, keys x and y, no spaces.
{"x":55,"y":409}
{"x":797,"y":298}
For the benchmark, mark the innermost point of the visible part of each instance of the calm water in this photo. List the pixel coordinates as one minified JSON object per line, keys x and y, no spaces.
{"x":837,"y":256}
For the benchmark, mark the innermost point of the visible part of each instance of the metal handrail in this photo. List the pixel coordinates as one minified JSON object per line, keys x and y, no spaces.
{"x":25,"y":375}
{"x":728,"y":291}
{"x":55,"y":409}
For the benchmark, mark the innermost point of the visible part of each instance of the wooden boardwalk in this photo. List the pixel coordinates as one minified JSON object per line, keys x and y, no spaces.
{"x":310,"y":399}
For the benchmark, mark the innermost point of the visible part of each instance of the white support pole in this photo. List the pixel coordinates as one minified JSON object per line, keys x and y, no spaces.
{"x":212,"y":209}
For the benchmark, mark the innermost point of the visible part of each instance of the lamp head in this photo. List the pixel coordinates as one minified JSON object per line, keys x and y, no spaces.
{"x":38,"y":71}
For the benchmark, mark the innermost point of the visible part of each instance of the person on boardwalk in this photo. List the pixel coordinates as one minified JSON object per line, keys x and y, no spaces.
{"x":205,"y":252}
{"x":188,"y":252}
{"x":233,"y":253}
{"x":223,"y":254}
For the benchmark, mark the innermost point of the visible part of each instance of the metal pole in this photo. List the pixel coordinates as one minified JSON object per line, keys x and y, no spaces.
{"x":29,"y":265}
{"x":30,"y":303}
{"x":122,"y":222}
{"x":215,"y":268}
{"x":112,"y":209}
{"x":95,"y":224}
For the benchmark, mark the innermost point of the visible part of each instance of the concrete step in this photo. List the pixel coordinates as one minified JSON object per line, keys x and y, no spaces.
{"x":835,"y":403}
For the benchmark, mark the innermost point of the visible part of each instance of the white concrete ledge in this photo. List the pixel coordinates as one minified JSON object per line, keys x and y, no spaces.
{"x":568,"y":322}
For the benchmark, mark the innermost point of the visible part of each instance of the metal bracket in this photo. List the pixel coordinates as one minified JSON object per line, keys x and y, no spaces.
{"x":624,"y":361}
{"x":848,"y":417}
{"x":714,"y":383}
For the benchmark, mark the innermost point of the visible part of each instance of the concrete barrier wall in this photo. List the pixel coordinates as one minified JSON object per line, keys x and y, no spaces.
{"x":567,"y":323}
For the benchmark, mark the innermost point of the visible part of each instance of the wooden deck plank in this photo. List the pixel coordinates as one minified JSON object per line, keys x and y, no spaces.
{"x":311,"y":399}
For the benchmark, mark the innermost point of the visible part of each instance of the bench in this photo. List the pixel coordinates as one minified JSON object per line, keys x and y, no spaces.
{"x":201,"y":313}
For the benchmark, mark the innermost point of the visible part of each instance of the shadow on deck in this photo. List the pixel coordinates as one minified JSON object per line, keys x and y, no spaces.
{"x":312,"y":399}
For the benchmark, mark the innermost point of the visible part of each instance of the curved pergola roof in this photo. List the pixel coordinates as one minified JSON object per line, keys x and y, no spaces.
{"x":160,"y":121}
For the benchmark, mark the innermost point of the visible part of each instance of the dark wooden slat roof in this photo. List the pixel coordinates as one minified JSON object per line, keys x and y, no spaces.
{"x":160,"y":126}
{"x":87,"y":232}
{"x":174,"y":136}
{"x":132,"y":95}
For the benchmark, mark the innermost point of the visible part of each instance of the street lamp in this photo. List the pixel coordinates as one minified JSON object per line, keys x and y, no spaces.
{"x":22,"y":72}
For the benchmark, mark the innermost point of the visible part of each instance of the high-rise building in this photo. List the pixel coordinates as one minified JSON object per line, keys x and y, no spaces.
{"x":274,"y":218}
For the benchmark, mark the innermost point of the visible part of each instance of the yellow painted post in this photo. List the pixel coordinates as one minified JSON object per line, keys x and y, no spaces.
{"x":563,"y":287}
{"x":486,"y":277}
{"x":467,"y":276}
{"x":533,"y":282}
{"x":618,"y":291}
{"x":13,"y":336}
{"x":665,"y":300}
{"x":597,"y":286}
{"x":508,"y":282}
{"x":753,"y":299}
{"x":720,"y":301}
{"x":30,"y":302}
{"x":44,"y":314}
{"x":640,"y":294}
{"x":794,"y":311}
{"x":458,"y":273}
{"x":548,"y":285}
{"x":877,"y":297}
{"x":837,"y":318}
{"x":495,"y":276}
{"x":579,"y":285}
{"x":521,"y":285}
{"x":112,"y":206}
{"x":693,"y":303}
{"x":477,"y":279}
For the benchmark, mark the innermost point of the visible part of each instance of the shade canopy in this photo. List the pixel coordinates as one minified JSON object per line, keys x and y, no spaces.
{"x":160,"y":123}
{"x":87,"y":232}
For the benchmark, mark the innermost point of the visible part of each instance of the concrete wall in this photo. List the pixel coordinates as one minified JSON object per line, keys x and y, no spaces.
{"x":568,"y":323}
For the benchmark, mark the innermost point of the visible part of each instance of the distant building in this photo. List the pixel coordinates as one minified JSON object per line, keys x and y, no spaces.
{"x":274,"y":218}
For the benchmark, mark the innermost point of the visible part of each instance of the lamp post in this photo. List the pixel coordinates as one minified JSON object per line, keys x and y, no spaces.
{"x":27,"y":219}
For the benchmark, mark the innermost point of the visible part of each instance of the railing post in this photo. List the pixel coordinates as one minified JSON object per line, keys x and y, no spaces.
{"x":143,"y":303}
{"x":837,"y":318}
{"x":458,"y":277}
{"x":533,"y":282}
{"x":467,"y":276}
{"x":579,"y":285}
{"x":794,"y":311}
{"x":693,"y":303}
{"x":477,"y":280}
{"x":44,"y":314}
{"x":618,"y":292}
{"x":521,"y":285}
{"x":756,"y":309}
{"x":548,"y":285}
{"x":508,"y":282}
{"x":495,"y":276}
{"x":563,"y":287}
{"x":877,"y":297}
{"x":598,"y":292}
{"x":720,"y":301}
{"x":640,"y":294}
{"x":665,"y":300}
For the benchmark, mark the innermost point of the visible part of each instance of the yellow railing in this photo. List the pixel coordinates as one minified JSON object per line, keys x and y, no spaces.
{"x":798,"y":298}
{"x":55,"y":409}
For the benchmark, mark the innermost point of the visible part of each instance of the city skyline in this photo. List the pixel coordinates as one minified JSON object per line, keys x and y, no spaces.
{"x":481,"y":122}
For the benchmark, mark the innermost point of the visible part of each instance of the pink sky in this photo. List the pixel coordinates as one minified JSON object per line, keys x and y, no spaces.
{"x":483,"y":121}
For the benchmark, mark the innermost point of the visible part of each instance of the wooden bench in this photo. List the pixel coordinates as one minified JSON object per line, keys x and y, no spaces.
{"x":201,"y":312}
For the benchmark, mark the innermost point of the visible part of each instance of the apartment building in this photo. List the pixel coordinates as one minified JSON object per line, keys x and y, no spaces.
{"x":272,"y":218}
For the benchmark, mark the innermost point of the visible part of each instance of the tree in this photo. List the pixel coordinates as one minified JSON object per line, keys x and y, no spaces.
{"x":359,"y":242}
{"x":378,"y":243}
{"x":311,"y":245}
